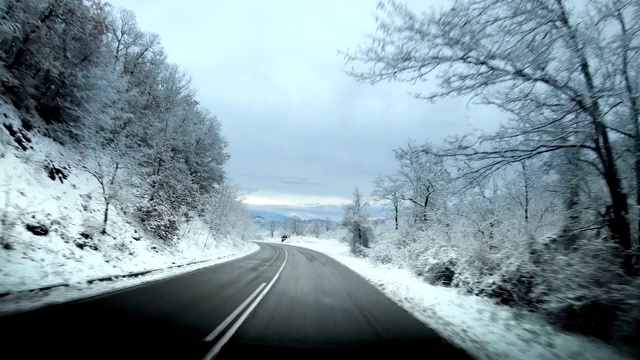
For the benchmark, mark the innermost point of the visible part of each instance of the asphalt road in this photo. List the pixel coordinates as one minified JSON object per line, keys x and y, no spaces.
{"x":298,"y":304}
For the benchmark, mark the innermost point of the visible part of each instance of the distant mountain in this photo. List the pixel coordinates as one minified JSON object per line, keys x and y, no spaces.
{"x":265,"y":216}
{"x":318,"y":221}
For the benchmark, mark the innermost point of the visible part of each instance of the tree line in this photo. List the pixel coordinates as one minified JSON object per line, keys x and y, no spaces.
{"x":543,"y":213}
{"x":100,"y":85}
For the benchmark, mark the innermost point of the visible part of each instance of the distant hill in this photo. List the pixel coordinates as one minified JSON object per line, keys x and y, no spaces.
{"x":322,"y":222}
{"x":266,"y":216}
{"x":263,"y":218}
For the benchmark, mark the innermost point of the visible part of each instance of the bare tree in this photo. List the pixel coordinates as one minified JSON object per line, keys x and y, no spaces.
{"x":619,"y":44}
{"x":390,"y":188}
{"x":531,"y":194}
{"x":315,"y":229}
{"x":356,"y":220}
{"x":534,"y":60}
{"x":424,"y":176}
{"x":328,"y":224}
{"x":105,"y":171}
{"x":294,"y":225}
{"x":272,"y":225}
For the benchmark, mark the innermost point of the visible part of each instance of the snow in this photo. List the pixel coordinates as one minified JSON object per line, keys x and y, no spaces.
{"x":486,"y":330}
{"x":78,"y":290}
{"x":71,"y":208}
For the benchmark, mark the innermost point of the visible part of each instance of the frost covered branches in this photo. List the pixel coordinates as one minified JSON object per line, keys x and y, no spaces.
{"x":542,"y":213}
{"x":542,"y":62}
{"x":356,"y":220}
{"x":100,"y":84}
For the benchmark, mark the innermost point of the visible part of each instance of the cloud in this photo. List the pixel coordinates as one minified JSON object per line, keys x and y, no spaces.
{"x":299,"y":181}
{"x":291,"y":199}
{"x":297,"y":126}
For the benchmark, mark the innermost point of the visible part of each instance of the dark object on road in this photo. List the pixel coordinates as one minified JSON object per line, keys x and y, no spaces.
{"x":284,"y":237}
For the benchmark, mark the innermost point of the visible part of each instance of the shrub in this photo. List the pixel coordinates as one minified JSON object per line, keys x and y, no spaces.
{"x":159,"y":220}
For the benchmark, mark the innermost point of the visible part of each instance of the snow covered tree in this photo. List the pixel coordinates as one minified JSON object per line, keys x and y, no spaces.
{"x":272,"y":225}
{"x":105,"y":87}
{"x":425,"y":178}
{"x":356,"y":220}
{"x":328,"y":224}
{"x":294,"y":225}
{"x":532,"y":193}
{"x":53,"y":55}
{"x":545,"y":62}
{"x":226,"y":215}
{"x":390,"y":188}
{"x":315,"y":229}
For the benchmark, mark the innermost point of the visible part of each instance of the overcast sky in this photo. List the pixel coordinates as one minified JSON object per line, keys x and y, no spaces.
{"x":302,"y":134}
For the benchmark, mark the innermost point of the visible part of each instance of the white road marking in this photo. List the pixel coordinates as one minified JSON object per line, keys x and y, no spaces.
{"x":233,"y":315}
{"x":218,"y":346}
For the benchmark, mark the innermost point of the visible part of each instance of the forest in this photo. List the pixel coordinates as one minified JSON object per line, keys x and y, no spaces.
{"x":85,"y":75}
{"x":542,"y":214}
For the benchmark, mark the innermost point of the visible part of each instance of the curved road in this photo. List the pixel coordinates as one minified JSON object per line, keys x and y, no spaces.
{"x":281,"y":302}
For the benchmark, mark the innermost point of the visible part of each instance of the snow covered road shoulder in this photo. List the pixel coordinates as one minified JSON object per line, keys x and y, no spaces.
{"x":23,"y":301}
{"x":484,"y":329}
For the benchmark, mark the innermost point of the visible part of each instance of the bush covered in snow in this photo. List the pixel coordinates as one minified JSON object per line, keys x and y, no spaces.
{"x":485,"y":243}
{"x":564,"y":161}
{"x":159,"y":220}
{"x":580,"y":289}
{"x":356,"y":222}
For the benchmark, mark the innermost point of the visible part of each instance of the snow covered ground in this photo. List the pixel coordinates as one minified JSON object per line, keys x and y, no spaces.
{"x":67,"y":246}
{"x":484,"y":329}
{"x":78,"y":290}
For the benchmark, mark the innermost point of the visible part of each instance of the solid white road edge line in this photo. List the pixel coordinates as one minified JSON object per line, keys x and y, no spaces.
{"x":233,"y":315}
{"x":218,"y":346}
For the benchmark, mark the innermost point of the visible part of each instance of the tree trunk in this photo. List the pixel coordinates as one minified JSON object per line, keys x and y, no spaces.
{"x":395,"y":207}
{"x":105,"y":219}
{"x":636,"y":116}
{"x":634,"y":113}
{"x":572,"y":197}
{"x":618,"y":224}
{"x":525,"y":176}
{"x":424,"y":209}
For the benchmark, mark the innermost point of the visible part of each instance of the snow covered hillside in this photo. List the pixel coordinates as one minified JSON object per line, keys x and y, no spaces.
{"x":487,"y":330}
{"x":51,"y":215}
